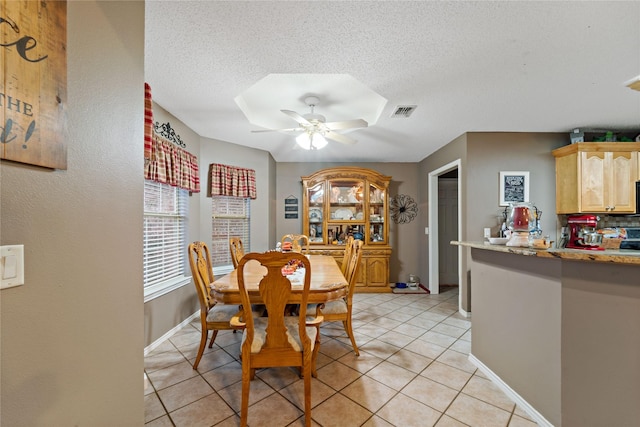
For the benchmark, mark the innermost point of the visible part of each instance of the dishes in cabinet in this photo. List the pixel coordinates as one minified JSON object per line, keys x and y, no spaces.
{"x":343,"y":214}
{"x":317,"y":197}
{"x":359,"y":216}
{"x":315,"y":215}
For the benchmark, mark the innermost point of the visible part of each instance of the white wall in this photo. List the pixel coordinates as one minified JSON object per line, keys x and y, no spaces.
{"x":72,"y":336}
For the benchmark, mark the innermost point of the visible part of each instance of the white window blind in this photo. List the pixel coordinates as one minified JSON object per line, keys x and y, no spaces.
{"x":165,"y":234}
{"x":230,"y":218}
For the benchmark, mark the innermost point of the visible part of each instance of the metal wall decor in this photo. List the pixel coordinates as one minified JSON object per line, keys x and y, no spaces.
{"x":166,"y":131}
{"x":403,"y":209}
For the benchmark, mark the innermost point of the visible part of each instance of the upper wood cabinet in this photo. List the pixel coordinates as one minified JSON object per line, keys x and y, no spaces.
{"x":338,"y":202}
{"x":596,"y":177}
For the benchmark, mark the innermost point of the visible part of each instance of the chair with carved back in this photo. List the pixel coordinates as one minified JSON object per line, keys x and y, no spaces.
{"x":341,"y":309}
{"x":296,"y":243}
{"x":278,"y":339}
{"x":213,"y":316}
{"x":237,"y":250}
{"x":347,"y":255}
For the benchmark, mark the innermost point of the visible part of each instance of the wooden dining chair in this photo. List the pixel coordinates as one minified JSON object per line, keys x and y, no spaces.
{"x":347,"y":255}
{"x":237,"y":250}
{"x":213,"y":316}
{"x":341,"y":309}
{"x":278,"y":340}
{"x":299,"y":242}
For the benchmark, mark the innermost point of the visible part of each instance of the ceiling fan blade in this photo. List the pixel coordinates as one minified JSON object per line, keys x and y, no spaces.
{"x":297,"y":117}
{"x":279,"y":130}
{"x":335,"y":136}
{"x":347,"y":124}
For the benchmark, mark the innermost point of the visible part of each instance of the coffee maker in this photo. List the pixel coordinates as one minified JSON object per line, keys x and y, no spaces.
{"x":583,"y":235}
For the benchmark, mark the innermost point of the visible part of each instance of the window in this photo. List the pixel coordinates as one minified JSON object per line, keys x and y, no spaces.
{"x":230,"y":219}
{"x":165,"y":235}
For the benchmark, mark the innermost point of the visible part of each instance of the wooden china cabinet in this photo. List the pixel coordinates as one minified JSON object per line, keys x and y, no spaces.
{"x":339,"y":202}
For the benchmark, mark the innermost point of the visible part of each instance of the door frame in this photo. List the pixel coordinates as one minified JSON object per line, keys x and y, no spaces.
{"x":432,"y":185}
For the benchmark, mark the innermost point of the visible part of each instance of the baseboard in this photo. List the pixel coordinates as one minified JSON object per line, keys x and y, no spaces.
{"x":530,"y":410}
{"x":148,"y":349}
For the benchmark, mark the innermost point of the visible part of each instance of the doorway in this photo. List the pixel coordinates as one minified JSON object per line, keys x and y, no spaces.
{"x":435,"y":241}
{"x":448,"y":228}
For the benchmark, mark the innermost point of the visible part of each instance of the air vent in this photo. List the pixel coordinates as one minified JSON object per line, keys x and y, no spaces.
{"x":403,"y":111}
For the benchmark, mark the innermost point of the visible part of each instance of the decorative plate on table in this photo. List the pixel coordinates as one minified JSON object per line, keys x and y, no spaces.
{"x":315,"y":215}
{"x":343,"y":213}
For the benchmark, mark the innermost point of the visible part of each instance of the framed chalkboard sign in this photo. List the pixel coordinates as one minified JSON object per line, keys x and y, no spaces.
{"x":290,"y":207}
{"x":514,"y":187}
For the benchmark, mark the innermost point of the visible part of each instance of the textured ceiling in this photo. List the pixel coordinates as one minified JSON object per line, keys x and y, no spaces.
{"x":468,"y":66}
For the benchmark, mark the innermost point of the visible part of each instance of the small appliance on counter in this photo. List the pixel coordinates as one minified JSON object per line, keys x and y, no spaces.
{"x":521,"y":221}
{"x":632,"y":241}
{"x":583,"y":233}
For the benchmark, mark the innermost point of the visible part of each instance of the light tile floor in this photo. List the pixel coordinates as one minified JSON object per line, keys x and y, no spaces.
{"x":413,"y":370}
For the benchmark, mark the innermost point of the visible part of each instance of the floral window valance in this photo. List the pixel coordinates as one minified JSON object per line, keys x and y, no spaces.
{"x":164,"y":161}
{"x":227,"y":180}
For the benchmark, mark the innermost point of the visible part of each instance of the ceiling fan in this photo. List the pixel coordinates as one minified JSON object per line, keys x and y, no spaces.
{"x":315,"y":129}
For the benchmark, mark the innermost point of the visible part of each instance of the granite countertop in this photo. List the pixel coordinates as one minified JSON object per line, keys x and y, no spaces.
{"x":608,"y":255}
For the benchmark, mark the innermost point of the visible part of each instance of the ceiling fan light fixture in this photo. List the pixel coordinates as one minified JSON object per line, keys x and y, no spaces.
{"x":634,"y":83}
{"x":311,"y":141}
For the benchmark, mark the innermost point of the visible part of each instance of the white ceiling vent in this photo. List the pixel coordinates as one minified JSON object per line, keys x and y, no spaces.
{"x":403,"y":111}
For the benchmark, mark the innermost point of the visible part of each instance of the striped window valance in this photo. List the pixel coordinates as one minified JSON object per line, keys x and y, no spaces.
{"x":172,"y":165}
{"x":165,"y":162}
{"x":227,"y":180}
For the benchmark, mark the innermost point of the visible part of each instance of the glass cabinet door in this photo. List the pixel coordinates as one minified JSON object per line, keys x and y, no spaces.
{"x":346,"y":211}
{"x":315,"y":195}
{"x":376,"y":214}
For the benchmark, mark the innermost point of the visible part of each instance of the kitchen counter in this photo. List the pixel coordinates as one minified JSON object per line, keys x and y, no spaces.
{"x":557,"y":330}
{"x":608,"y":255}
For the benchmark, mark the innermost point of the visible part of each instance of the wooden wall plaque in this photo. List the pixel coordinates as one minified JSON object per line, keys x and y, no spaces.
{"x":33,"y":91}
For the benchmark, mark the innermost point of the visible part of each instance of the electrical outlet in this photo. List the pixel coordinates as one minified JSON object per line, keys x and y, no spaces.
{"x":487,"y":233}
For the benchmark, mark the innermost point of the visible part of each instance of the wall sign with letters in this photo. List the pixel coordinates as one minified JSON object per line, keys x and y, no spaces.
{"x":33,"y":87}
{"x":291,"y":208}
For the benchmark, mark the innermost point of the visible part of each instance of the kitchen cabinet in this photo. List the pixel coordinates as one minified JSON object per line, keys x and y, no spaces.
{"x":343,"y":201}
{"x":596,"y":177}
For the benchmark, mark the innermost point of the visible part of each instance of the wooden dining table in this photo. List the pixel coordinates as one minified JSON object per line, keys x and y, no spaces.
{"x":327,"y":283}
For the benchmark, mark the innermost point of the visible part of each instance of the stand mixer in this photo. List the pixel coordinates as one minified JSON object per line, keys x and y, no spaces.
{"x":583,"y":233}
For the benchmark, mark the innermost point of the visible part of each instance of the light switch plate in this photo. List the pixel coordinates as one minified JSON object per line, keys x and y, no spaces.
{"x":11,"y":266}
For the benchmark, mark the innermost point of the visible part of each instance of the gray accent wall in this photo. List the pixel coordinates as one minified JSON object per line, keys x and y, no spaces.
{"x":72,"y":336}
{"x":562,"y":334}
{"x":403,"y":238}
{"x":456,"y":149}
{"x":163,"y":313}
{"x":483,"y":155}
